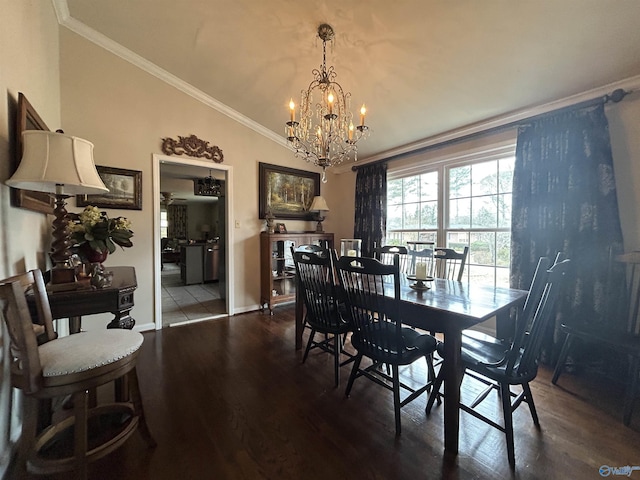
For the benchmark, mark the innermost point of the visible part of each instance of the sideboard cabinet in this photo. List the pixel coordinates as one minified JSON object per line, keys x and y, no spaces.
{"x":277,"y":270}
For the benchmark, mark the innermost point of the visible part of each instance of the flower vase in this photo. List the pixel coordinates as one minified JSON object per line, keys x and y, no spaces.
{"x":93,"y":256}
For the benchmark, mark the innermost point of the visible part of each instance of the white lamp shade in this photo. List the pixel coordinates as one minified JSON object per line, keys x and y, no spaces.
{"x":318,"y":205}
{"x":51,"y":159}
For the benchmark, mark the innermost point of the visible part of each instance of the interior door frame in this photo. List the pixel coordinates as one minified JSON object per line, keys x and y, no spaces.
{"x":229,"y":244}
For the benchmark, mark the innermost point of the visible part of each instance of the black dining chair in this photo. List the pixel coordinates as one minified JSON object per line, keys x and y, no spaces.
{"x":324,"y":313}
{"x":450,"y":264}
{"x":500,"y":364}
{"x":625,"y":341}
{"x":387,"y":253}
{"x":371,"y":292}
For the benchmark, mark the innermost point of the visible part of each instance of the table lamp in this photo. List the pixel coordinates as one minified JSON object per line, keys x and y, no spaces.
{"x":319,"y":205}
{"x":56,"y":163}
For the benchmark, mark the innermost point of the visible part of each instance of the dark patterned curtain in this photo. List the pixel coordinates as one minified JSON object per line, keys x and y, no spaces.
{"x":371,"y":206}
{"x":177,"y":221}
{"x":564,"y":200}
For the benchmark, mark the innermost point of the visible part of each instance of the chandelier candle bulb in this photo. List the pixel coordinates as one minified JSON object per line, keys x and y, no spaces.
{"x":350,"y":131}
{"x":330,"y":102}
{"x":363,"y":112}
{"x":292,"y":108}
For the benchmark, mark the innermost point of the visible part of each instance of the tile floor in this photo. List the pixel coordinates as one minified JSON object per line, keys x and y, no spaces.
{"x":182,"y":303}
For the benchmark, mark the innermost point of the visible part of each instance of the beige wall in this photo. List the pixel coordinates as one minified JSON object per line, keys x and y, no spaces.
{"x":624,"y":129}
{"x":28,"y":64}
{"x":126,"y":112}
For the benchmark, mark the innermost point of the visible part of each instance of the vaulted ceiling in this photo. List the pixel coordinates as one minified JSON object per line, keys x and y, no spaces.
{"x":422,"y":67}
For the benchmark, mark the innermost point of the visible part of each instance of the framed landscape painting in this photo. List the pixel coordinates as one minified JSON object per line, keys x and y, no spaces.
{"x":125,"y":190}
{"x":28,"y":119}
{"x":287,"y":192}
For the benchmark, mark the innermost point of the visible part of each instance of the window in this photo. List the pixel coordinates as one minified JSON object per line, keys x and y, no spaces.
{"x":164,"y":224}
{"x":457,"y":202}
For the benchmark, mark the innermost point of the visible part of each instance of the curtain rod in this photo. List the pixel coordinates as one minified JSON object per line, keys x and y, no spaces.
{"x":615,"y":97}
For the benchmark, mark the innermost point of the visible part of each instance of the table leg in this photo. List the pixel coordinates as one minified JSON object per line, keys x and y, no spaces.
{"x":452,"y":380}
{"x":75,"y":324}
{"x":122,"y":319}
{"x":505,"y":325}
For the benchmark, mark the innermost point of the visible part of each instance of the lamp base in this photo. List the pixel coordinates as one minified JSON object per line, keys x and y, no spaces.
{"x":319,"y":227}
{"x":62,"y":274}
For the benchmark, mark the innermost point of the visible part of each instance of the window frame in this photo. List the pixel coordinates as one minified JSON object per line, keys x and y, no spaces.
{"x":442,"y":165}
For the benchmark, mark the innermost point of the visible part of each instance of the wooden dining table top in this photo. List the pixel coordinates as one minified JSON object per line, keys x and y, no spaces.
{"x":456,"y":304}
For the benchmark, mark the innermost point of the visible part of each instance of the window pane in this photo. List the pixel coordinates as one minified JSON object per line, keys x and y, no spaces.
{"x":506,"y":174}
{"x":411,"y":186}
{"x":394,"y":217}
{"x":410,"y":214}
{"x":503,"y":249}
{"x":429,"y":186}
{"x":460,"y":213}
{"x":483,"y":246}
{"x":504,"y":210}
{"x":481,"y":274}
{"x":460,"y":182}
{"x":394,"y":192}
{"x":457,"y":240}
{"x":484,"y":212}
{"x":502,"y":277}
{"x":427,"y":237}
{"x":484,"y":176}
{"x":429,"y":215}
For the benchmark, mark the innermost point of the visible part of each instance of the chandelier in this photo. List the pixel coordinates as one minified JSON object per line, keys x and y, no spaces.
{"x":325,"y":134}
{"x":207,"y":187}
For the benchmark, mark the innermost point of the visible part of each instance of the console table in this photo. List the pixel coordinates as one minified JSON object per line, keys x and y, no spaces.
{"x":117,"y":299}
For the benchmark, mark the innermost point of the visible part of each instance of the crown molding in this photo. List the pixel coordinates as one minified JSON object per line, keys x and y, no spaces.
{"x":631,"y":84}
{"x":66,"y":20}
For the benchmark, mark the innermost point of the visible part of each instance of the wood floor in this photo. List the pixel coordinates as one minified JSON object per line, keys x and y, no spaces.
{"x":229,"y":399}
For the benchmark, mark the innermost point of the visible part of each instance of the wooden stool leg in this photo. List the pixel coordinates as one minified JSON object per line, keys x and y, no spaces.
{"x":80,"y":412}
{"x":27,"y":439}
{"x":136,"y":398}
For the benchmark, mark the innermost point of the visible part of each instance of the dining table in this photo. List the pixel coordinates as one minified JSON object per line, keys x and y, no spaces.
{"x":448,"y":307}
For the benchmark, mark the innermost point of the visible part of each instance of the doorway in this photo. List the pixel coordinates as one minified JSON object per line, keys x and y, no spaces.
{"x":193,"y":277}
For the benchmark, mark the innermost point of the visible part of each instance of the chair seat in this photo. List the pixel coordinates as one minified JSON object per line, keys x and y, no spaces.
{"x":484,"y":347}
{"x":622,"y":341}
{"x":67,"y":359}
{"x":416,"y":345}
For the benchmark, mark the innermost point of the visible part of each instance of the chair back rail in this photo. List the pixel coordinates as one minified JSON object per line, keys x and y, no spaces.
{"x":527,"y":347}
{"x":386,"y":253}
{"x":371,"y":290}
{"x":26,"y":369}
{"x":316,"y":280}
{"x":450,"y":264}
{"x":632,"y":310}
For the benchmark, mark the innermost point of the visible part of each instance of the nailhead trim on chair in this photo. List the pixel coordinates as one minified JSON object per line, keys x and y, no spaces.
{"x":87,"y":350}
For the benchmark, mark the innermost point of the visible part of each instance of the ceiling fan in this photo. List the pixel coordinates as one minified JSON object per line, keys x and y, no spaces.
{"x":167,"y":198}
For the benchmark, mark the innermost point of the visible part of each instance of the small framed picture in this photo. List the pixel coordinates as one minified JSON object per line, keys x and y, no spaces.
{"x":125,"y":190}
{"x":281,"y":228}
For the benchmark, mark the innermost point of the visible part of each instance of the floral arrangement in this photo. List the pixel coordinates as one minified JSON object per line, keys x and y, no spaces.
{"x":94,"y":228}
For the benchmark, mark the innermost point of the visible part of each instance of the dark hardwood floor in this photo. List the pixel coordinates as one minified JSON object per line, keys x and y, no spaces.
{"x":229,"y":399}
